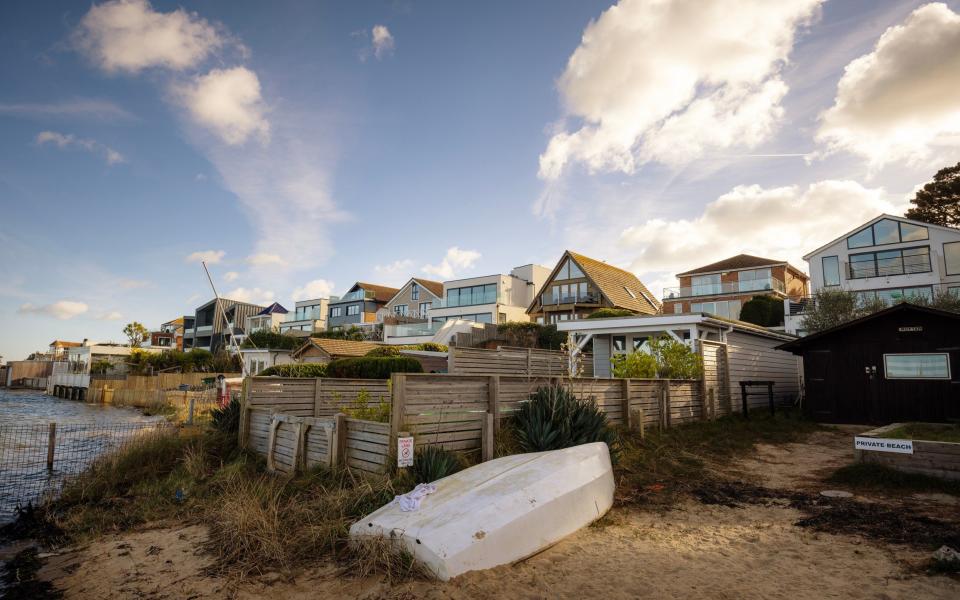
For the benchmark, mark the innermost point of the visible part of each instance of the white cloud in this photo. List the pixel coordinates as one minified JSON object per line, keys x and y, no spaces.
{"x":262,"y":259}
{"x":666,"y":81}
{"x":95,"y":109}
{"x":231,"y":276}
{"x":62,"y":309}
{"x":899,"y":102}
{"x":318,"y":288}
{"x":129,"y":36}
{"x":64,"y":141}
{"x":110,"y":316}
{"x":780,"y":223}
{"x":228,"y":102}
{"x":382,"y":41}
{"x":211,"y":257}
{"x":395,"y":273}
{"x":454,"y":262}
{"x":253,"y":295}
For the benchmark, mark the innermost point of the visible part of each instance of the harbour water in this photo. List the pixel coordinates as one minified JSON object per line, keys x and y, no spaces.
{"x":82,"y":432}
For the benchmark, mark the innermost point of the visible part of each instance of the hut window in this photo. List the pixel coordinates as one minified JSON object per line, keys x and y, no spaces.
{"x":917,"y":366}
{"x":619,"y":343}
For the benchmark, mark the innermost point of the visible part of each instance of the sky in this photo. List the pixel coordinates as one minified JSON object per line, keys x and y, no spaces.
{"x":300,"y":146}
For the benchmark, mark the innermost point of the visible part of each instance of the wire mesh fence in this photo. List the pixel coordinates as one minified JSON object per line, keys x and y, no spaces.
{"x":37,"y":460}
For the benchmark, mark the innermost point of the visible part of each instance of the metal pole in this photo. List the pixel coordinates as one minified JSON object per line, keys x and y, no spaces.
{"x":51,"y":445}
{"x":218,"y":309}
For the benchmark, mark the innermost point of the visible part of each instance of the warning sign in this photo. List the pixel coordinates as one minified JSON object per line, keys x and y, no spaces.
{"x":405,"y":452}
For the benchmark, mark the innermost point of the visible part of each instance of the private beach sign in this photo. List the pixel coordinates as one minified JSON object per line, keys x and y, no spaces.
{"x":883,"y":445}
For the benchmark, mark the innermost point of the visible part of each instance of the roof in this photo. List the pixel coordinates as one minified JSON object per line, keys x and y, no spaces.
{"x":63,"y":344}
{"x":275,"y":308}
{"x":435,"y":287}
{"x":797,"y":345}
{"x":177,"y":321}
{"x":614,"y":283}
{"x":338,"y":347}
{"x":810,"y":254}
{"x":669,"y":320}
{"x":381,"y":293}
{"x":738,"y":262}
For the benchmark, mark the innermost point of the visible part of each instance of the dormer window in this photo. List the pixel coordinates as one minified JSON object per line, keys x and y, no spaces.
{"x":887,"y":231}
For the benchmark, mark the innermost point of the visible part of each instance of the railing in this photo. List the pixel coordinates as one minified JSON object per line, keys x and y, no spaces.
{"x":888,"y":296}
{"x":413,"y":329}
{"x":474,"y":300}
{"x":718,"y":289}
{"x":546,"y":300}
{"x":885,"y":267}
{"x":357,"y":295}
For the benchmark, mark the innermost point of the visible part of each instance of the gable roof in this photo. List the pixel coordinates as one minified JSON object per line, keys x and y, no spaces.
{"x":275,"y":308}
{"x":381,"y":293}
{"x":620,"y":287}
{"x":735,"y":263}
{"x":63,"y":344}
{"x":810,"y":254}
{"x":336,"y":348}
{"x":796,"y":345}
{"x":433,"y":287}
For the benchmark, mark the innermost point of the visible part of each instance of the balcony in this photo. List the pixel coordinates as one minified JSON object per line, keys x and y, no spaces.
{"x":546,"y":300}
{"x":413,"y":330}
{"x":357,"y":295}
{"x":203,"y":329}
{"x":473,"y":300}
{"x":720,"y":289}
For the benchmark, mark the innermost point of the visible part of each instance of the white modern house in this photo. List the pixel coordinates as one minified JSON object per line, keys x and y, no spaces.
{"x":307,"y":316}
{"x":258,"y":359}
{"x":75,"y":370}
{"x":888,"y":258}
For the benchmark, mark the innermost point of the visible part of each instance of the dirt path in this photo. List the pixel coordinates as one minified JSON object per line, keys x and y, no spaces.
{"x":798,"y":466}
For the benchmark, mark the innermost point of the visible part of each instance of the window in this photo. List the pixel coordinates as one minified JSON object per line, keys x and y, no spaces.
{"x":912,"y":233}
{"x":677,"y":308}
{"x":629,"y":291}
{"x":729,"y":309}
{"x":400,"y":310}
{"x":414,"y":291}
{"x":336,"y":311}
{"x":831,"y":270}
{"x":569,"y":270}
{"x":890,"y":262}
{"x":917,"y":366}
{"x":638,"y":342}
{"x":473,"y":295}
{"x":424,"y":309}
{"x":755,"y":280}
{"x":502,"y":318}
{"x":887,"y":231}
{"x":353,"y":309}
{"x":861,"y":239}
{"x":619,"y":343}
{"x":951,"y":257}
{"x":955,"y":290}
{"x":706,"y":285}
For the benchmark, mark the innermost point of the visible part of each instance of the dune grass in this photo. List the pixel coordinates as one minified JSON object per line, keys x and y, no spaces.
{"x":927,"y":432}
{"x":866,"y":476}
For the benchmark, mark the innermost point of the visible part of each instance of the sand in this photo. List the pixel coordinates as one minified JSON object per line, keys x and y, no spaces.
{"x":691,"y":551}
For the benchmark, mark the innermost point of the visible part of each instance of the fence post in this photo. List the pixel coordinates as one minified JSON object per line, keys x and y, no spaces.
{"x":244,"y":429}
{"x":398,"y":403}
{"x":529,"y":362}
{"x":743,"y":398}
{"x":486,"y":437}
{"x":272,"y":442}
{"x":190,"y":415}
{"x":643,"y":426}
{"x":711,"y":406}
{"x":493,"y":399}
{"x":339,"y":449}
{"x":770,"y":396}
{"x":451,"y":366}
{"x":317,"y":396}
{"x":51,"y":445}
{"x":625,"y":391}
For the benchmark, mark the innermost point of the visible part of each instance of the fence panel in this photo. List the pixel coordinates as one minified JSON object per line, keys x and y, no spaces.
{"x":367,"y":445}
{"x":445,"y":410}
{"x":645,"y":394}
{"x":686,"y":402}
{"x":293,"y":396}
{"x":531,"y":362}
{"x":334,"y":394}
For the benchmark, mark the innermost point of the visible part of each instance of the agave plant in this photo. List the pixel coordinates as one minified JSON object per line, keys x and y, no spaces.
{"x":554,"y":418}
{"x":431,"y":463}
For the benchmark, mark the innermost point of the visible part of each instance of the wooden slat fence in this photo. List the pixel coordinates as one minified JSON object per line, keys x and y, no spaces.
{"x":163,"y":381}
{"x":530,"y":362}
{"x":311,"y":397}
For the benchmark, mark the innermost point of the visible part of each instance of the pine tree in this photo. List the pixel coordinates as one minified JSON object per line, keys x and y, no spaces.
{"x":939,"y":201}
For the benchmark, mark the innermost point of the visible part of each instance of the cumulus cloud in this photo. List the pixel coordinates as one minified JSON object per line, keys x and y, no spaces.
{"x":231,"y":276}
{"x":252,"y":295}
{"x":227,"y":102}
{"x":129,"y":36}
{"x":318,"y":288}
{"x":62,"y":309}
{"x":454,"y":262}
{"x":211,"y":257}
{"x":262,"y":259}
{"x":382,"y":41}
{"x":64,"y":141}
{"x":666,"y":81}
{"x":94,"y":109}
{"x":899,"y":102}
{"x":780,"y":223}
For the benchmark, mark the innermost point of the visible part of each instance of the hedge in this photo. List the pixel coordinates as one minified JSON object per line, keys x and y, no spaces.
{"x":298,"y":370}
{"x":372,"y":367}
{"x":382,"y":351}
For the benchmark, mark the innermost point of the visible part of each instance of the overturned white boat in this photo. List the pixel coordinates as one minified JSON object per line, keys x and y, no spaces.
{"x":500,"y":511}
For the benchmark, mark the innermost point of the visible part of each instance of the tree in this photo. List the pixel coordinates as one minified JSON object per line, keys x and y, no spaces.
{"x":939,"y":201}
{"x":765,"y":311}
{"x":663,"y":357}
{"x":136,"y":333}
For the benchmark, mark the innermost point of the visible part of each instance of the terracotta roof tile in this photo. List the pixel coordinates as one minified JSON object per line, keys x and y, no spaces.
{"x":381,"y":293}
{"x":622,"y":288}
{"x":337,"y":348}
{"x":435,"y":287}
{"x":740,"y":261}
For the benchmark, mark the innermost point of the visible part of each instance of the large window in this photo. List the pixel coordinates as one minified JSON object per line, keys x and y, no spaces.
{"x":473,"y":295}
{"x":951,"y":257}
{"x":729,"y":309}
{"x":705,"y":285}
{"x":424,"y":309}
{"x":400,"y":310}
{"x":336,"y":311}
{"x":831,"y":270}
{"x":414,"y":291}
{"x":568,"y":293}
{"x":887,"y":231}
{"x":890,"y":262}
{"x":755,"y":280}
{"x":478,"y":318}
{"x":353,"y":309}
{"x":917,"y":366}
{"x":569,"y":270}
{"x":893,"y":295}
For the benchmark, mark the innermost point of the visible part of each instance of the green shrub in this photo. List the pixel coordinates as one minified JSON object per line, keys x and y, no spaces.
{"x":431,"y":347}
{"x":765,"y":311}
{"x":554,"y":418}
{"x":636,"y":365}
{"x":663,"y":358}
{"x":226,"y":419}
{"x":431,"y":463}
{"x":351,"y":333}
{"x":528,"y":334}
{"x":272,"y":340}
{"x":606,"y":313}
{"x":361,"y":408}
{"x":297,"y":370}
{"x":382,"y":351}
{"x":372,"y":367}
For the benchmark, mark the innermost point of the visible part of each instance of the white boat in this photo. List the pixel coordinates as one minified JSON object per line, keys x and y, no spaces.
{"x":500,"y":511}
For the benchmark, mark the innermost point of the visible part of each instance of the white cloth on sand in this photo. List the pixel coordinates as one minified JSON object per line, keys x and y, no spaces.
{"x":411,"y":500}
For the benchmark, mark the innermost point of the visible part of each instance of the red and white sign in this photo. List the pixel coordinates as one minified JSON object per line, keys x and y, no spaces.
{"x":405,"y":452}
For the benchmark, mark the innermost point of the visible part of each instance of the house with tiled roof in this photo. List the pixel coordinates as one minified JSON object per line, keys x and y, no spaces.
{"x":359,"y":305}
{"x":324,"y":350}
{"x":268,"y":319}
{"x":58,"y":348}
{"x":579,"y":286}
{"x":414,"y":299}
{"x":721,"y":288}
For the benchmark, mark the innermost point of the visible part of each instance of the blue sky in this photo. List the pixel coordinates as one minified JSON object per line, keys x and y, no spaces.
{"x":303,"y":145}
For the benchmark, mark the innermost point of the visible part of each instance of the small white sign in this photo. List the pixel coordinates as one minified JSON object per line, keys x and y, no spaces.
{"x":883,"y":445}
{"x":405,"y":452}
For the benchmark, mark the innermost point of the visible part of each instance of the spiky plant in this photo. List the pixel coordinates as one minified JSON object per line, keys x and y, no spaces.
{"x":554,"y":418}
{"x":431,"y":463}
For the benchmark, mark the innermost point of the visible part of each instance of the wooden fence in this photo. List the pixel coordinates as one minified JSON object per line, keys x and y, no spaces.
{"x":163,"y":381}
{"x":312,"y":397}
{"x":529,"y":362}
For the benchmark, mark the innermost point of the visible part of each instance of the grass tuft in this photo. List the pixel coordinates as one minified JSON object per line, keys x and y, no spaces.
{"x":882,"y":477}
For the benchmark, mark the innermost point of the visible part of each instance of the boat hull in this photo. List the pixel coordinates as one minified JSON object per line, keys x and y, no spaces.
{"x":499,"y":511}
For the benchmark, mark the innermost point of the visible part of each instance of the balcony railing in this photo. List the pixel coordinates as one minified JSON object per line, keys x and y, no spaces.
{"x":548,"y":300}
{"x":413,"y":329}
{"x":472,"y":300}
{"x":770,"y":284}
{"x":357,"y":295}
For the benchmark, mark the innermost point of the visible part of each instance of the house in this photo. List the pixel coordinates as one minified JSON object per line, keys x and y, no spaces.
{"x":173,"y":330}
{"x":258,"y":359}
{"x":898,"y":364}
{"x":214,"y":322}
{"x":414,"y":299}
{"x":751,"y":352}
{"x":58,"y":349}
{"x":888,"y":258}
{"x":580,"y":285}
{"x":491,"y":298}
{"x":323,"y":350}
{"x":91,"y":358}
{"x":722,"y":288}
{"x":359,"y":306}
{"x":307,"y":316}
{"x":268,"y":319}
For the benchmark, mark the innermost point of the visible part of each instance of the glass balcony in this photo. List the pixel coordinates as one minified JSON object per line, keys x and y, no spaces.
{"x":357,"y":295}
{"x":588,"y":298}
{"x":471,"y":300}
{"x":413,"y":329}
{"x":719,"y":289}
